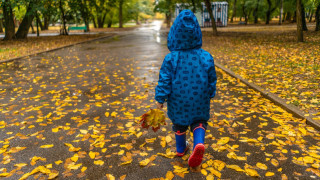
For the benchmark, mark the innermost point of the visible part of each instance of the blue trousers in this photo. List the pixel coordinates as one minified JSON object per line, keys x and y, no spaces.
{"x":182,"y":129}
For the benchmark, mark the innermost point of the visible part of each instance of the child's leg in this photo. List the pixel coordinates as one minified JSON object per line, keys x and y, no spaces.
{"x":180,"y":134}
{"x":199,"y":130}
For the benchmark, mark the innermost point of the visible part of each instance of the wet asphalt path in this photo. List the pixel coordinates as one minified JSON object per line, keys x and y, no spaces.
{"x":61,"y":99}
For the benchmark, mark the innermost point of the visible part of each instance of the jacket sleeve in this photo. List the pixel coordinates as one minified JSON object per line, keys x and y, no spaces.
{"x":212,"y":78}
{"x":163,"y":89}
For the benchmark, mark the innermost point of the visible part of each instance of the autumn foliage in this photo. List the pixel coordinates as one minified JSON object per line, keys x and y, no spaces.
{"x":154,"y":118}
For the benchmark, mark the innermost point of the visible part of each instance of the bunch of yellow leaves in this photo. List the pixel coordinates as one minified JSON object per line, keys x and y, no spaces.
{"x":153,"y":118}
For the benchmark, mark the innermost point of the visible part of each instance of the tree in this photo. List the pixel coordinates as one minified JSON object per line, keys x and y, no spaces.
{"x":299,"y":22}
{"x":1,"y":25}
{"x":120,"y":13}
{"x":213,"y":22}
{"x":255,"y":12}
{"x":281,"y":13}
{"x":166,"y":7}
{"x":234,"y":10}
{"x":318,"y":17}
{"x":270,"y":10}
{"x":303,"y":17}
{"x":63,"y":30}
{"x":8,"y":19}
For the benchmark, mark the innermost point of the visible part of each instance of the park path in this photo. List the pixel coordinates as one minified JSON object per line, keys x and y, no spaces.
{"x":73,"y":113}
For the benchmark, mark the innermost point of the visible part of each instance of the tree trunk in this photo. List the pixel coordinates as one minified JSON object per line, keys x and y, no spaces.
{"x":318,"y":18}
{"x":63,"y":31}
{"x":310,"y":16}
{"x":8,"y":20}
{"x":94,"y":22}
{"x":245,"y":14}
{"x":281,"y":13}
{"x":39,"y":22}
{"x":288,"y":16}
{"x":120,"y":13}
{"x":213,"y":22}
{"x":234,"y":10}
{"x":299,"y":22}
{"x":255,"y":13}
{"x":303,"y":17}
{"x":268,"y":11}
{"x":1,"y":26}
{"x":32,"y":29}
{"x":194,"y":9}
{"x":46,"y":22}
{"x":168,"y":20}
{"x":110,"y":20}
{"x":294,"y":19}
{"x":24,"y":27}
{"x":100,"y":21}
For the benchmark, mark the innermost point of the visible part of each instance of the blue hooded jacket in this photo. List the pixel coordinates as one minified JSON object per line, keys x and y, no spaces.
{"x":187,"y":78}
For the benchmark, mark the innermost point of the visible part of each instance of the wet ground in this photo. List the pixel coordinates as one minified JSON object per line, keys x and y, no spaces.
{"x":73,"y":113}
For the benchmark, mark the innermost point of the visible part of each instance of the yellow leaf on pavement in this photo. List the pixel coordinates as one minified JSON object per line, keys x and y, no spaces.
{"x":110,"y":177}
{"x":169,"y":175}
{"x":53,"y":175}
{"x":223,"y":140}
{"x":262,"y":166}
{"x":235,"y":167}
{"x":168,"y":139}
{"x":92,"y":154}
{"x":204,"y":172}
{"x":144,"y":162}
{"x":127,"y":162}
{"x":4,"y":174}
{"x":107,"y":114}
{"x":75,"y":157}
{"x":47,"y":146}
{"x":251,"y":172}
{"x":269,"y":174}
{"x":210,"y":177}
{"x":58,"y":162}
{"x":99,"y":162}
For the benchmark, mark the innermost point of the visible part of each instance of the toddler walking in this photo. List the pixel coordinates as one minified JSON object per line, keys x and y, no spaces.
{"x":187,"y":82}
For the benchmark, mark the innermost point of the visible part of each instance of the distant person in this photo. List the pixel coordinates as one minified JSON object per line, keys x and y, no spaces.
{"x":187,"y":82}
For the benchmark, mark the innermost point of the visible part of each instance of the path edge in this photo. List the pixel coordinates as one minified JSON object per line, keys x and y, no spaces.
{"x":274,"y":98}
{"x":55,"y":49}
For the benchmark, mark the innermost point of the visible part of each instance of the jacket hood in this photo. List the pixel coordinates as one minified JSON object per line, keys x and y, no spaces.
{"x":185,"y":32}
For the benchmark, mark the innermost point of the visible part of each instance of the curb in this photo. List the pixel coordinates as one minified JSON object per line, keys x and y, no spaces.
{"x":55,"y":49}
{"x":274,"y":98}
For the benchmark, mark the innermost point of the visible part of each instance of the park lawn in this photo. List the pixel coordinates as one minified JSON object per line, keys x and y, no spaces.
{"x":17,"y":48}
{"x":271,"y":58}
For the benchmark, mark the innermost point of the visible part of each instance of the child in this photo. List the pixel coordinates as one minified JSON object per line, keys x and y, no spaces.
{"x":187,"y":82}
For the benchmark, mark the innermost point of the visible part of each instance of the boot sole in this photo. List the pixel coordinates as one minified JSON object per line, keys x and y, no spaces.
{"x":196,"y":156}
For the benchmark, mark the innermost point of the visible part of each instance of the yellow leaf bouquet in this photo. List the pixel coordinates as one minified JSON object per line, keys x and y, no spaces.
{"x":154,"y":118}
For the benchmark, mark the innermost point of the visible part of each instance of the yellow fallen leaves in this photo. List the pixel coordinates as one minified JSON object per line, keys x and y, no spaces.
{"x":169,"y":154}
{"x":4,"y":174}
{"x":262,"y":166}
{"x":235,"y":167}
{"x":110,"y":177}
{"x":169,"y":175}
{"x":144,"y":162}
{"x":92,"y":154}
{"x":223,"y":140}
{"x":154,"y":118}
{"x":268,"y":174}
{"x":251,"y":172}
{"x":73,"y":166}
{"x":47,"y":146}
{"x":99,"y":162}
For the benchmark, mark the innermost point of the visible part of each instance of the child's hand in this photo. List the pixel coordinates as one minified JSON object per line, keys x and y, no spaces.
{"x":159,"y":105}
